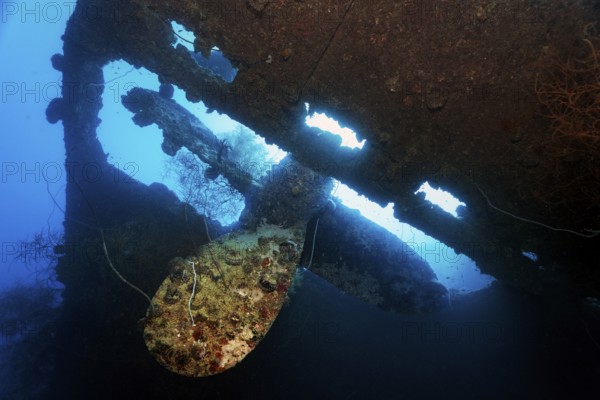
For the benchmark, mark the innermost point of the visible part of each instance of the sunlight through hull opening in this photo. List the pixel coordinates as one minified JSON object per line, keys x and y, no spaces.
{"x":441,"y":198}
{"x":330,"y":125}
{"x":457,"y":272}
{"x":216,"y":62}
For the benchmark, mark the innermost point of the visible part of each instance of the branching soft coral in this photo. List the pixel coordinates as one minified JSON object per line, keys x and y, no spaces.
{"x":570,"y":94}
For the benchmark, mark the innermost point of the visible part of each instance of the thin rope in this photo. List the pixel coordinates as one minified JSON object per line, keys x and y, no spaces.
{"x":585,"y":235}
{"x":131,"y":285}
{"x":312,"y":251}
{"x":193,"y":293}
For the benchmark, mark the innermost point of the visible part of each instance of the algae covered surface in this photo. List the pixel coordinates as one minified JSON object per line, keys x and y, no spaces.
{"x":215,"y":307}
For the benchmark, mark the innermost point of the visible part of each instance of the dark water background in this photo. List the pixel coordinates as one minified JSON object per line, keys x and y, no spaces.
{"x":492,"y":344}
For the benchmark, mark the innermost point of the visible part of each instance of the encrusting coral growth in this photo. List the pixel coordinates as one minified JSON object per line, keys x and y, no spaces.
{"x":200,"y":326}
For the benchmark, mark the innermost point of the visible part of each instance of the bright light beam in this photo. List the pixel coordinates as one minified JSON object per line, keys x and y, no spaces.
{"x":454,"y":271}
{"x":328,"y":124}
{"x":441,"y":198}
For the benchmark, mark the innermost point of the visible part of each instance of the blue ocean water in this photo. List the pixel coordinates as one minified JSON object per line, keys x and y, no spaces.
{"x":495,"y":343}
